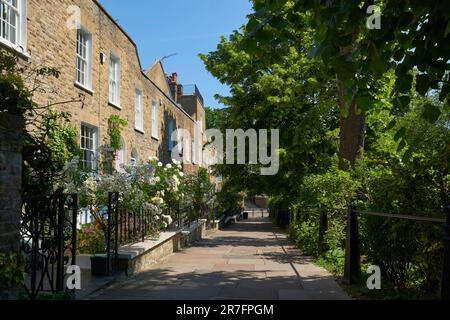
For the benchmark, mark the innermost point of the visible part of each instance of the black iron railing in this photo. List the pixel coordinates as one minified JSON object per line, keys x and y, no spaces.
{"x":352,"y":268}
{"x":192,"y":90}
{"x":48,"y":241}
{"x":128,"y":227}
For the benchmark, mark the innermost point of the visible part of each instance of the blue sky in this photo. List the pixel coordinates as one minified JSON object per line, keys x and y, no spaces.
{"x":184,"y":27}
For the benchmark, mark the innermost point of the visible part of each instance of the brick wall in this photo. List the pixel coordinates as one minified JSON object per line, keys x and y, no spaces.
{"x":52,"y":43}
{"x":10,"y":181}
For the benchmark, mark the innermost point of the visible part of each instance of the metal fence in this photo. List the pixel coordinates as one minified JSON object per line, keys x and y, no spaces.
{"x":48,"y":241}
{"x":352,"y":268}
{"x":128,"y":227}
{"x":192,"y":90}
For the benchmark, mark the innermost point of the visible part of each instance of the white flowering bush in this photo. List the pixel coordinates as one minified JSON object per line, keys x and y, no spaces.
{"x":166,"y":186}
{"x":156,"y":188}
{"x":199,"y":194}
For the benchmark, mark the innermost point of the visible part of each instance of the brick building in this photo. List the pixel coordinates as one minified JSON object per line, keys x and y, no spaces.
{"x":99,"y":62}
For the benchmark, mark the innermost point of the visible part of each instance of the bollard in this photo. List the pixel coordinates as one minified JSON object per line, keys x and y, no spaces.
{"x":352,"y":258}
{"x":445,"y":286}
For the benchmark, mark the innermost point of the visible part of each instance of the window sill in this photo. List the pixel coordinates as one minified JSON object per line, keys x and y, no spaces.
{"x":84,"y":88}
{"x":15,"y":48}
{"x":112,"y":104}
{"x":155,"y":138}
{"x":139,"y":130}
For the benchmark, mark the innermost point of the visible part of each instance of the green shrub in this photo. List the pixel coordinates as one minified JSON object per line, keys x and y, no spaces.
{"x":12,"y":269}
{"x":333,"y":260}
{"x":305,"y":234}
{"x":91,"y":239}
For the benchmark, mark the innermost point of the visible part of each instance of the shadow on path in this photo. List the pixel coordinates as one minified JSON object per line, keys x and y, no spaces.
{"x":248,"y":260}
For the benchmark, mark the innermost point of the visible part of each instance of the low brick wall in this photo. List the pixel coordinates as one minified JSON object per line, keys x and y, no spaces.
{"x":140,"y":257}
{"x":154,"y":255}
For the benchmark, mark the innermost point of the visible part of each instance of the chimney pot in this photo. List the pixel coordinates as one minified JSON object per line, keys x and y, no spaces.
{"x":175,"y":77}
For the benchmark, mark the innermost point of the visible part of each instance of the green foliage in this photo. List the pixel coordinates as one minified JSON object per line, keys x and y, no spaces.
{"x":229,"y":198}
{"x":305,"y":234}
{"x":357,"y":54}
{"x":333,"y":260}
{"x":332,"y":189}
{"x":215,"y":118}
{"x":15,"y":98}
{"x":91,"y":239}
{"x":413,"y":180}
{"x":46,"y":149}
{"x":61,"y":137}
{"x":285,"y":67}
{"x":49,"y":140}
{"x":115,"y":126}
{"x":12,"y":270}
{"x":200,"y":192}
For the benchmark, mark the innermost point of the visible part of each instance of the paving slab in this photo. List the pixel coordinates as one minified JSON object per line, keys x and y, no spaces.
{"x":250,"y":260}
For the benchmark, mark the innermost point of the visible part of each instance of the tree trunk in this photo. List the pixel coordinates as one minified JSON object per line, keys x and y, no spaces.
{"x":352,"y":136}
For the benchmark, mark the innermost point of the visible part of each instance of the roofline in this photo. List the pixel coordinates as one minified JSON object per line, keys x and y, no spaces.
{"x":169,"y":98}
{"x":139,"y":59}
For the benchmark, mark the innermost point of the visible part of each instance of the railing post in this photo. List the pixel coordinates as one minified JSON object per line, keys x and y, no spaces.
{"x":352,"y":258}
{"x":60,"y":240}
{"x":323,"y":228}
{"x":116,"y":230}
{"x":74,"y":228}
{"x":445,"y":291}
{"x":108,"y":235}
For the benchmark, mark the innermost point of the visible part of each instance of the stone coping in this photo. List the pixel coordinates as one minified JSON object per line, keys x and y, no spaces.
{"x":188,"y":230}
{"x":220,"y":219}
{"x":132,"y":251}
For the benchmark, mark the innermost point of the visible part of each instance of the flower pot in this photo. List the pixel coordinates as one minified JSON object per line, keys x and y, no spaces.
{"x":99,"y":265}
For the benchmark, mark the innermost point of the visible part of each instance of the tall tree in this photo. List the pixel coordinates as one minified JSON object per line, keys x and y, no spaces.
{"x":413,"y":36}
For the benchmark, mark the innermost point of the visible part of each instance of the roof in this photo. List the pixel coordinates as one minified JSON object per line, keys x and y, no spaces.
{"x":144,"y":73}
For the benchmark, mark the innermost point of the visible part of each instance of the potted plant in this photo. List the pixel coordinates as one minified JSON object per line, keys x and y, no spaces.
{"x":91,"y":240}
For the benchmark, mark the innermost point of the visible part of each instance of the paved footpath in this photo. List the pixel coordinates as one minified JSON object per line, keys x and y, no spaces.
{"x":248,"y":260}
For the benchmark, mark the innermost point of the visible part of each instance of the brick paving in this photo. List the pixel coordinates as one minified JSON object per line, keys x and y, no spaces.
{"x":250,"y":260}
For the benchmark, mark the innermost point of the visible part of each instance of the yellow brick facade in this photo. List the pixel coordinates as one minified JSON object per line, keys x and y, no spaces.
{"x":52,"y":42}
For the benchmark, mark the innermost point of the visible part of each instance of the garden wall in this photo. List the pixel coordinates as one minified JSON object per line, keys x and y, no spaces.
{"x":10,"y":181}
{"x":141,"y":256}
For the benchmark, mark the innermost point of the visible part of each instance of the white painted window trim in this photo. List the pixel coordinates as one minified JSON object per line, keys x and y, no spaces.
{"x":180,"y":141}
{"x":194,"y":152}
{"x":188,"y":155}
{"x":88,"y":60}
{"x":95,"y":138}
{"x":114,"y":81}
{"x":171,"y":129}
{"x":20,"y":46}
{"x":139,"y":111}
{"x":155,"y":116}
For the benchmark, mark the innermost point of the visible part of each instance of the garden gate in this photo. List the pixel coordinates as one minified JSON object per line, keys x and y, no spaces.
{"x":48,"y":241}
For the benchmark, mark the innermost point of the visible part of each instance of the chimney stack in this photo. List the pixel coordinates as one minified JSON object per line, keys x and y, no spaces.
{"x":174,"y":87}
{"x":174,"y":78}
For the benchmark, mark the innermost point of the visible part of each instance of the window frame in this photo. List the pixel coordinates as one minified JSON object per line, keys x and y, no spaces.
{"x":139,"y":110}
{"x":114,"y":97}
{"x":155,"y":116}
{"x":87,"y":59}
{"x":194,"y":152}
{"x":180,"y":141}
{"x":94,"y":150}
{"x":171,"y":129}
{"x":20,"y":44}
{"x":188,"y":155}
